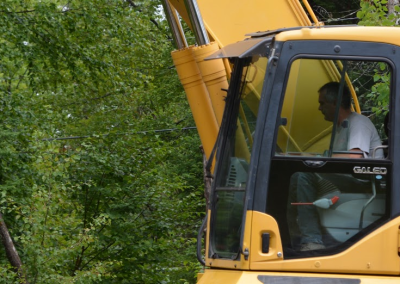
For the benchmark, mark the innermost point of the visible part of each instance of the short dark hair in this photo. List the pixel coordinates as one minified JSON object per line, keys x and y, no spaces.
{"x":332,"y":91}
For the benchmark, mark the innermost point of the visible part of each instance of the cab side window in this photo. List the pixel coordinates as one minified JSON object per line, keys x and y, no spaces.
{"x":330,"y":164}
{"x":315,"y":123}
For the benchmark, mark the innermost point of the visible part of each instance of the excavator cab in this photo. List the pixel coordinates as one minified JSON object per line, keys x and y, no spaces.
{"x":279,"y":170}
{"x":305,"y":187}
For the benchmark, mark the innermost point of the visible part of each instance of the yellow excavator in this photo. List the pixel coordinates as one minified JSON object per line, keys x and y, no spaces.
{"x":291,"y":200}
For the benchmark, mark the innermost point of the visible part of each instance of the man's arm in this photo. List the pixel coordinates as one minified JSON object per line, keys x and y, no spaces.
{"x":356,"y":155}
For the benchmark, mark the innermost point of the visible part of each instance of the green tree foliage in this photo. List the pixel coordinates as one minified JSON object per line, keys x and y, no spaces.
{"x":122,"y":203}
{"x":371,"y":81}
{"x":376,"y":13}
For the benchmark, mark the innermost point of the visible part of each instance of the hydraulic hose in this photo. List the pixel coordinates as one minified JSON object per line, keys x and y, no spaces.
{"x":199,"y":238}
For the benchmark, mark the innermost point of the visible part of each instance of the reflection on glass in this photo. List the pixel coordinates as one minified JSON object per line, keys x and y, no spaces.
{"x":233,"y":172}
{"x":325,"y":210}
{"x":322,"y":115}
{"x":332,"y":109}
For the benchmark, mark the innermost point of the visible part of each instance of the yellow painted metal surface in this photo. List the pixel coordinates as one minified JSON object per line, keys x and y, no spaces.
{"x":227,"y":22}
{"x":204,"y":83}
{"x":197,"y":95}
{"x":214,"y":76}
{"x":388,"y":35}
{"x":263,"y":223}
{"x":214,"y":276}
{"x":199,"y":275}
{"x":365,"y":257}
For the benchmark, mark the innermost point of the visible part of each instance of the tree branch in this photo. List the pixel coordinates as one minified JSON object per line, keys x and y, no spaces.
{"x":132,"y":4}
{"x":98,"y":253}
{"x":17,"y":12}
{"x":11,"y":252}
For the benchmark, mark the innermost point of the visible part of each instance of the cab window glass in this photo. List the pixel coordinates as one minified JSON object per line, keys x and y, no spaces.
{"x":328,"y":210}
{"x":231,"y":184}
{"x":331,"y":173}
{"x":330,"y":106}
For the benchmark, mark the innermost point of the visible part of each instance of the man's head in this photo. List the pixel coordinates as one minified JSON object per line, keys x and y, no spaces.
{"x":328,"y":95}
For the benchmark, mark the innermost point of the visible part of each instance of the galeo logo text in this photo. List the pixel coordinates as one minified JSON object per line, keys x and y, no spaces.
{"x":369,"y":171}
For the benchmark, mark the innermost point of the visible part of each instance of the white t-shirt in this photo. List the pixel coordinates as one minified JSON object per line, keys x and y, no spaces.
{"x":357,"y":131}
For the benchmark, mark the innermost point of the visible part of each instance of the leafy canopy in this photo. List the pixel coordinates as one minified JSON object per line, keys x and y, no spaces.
{"x":119,"y":203}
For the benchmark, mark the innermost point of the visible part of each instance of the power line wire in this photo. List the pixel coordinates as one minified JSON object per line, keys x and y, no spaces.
{"x":121,"y":133}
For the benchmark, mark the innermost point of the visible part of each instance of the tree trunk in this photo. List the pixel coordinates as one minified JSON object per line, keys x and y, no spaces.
{"x":391,"y":4}
{"x":207,"y":180}
{"x":11,"y":252}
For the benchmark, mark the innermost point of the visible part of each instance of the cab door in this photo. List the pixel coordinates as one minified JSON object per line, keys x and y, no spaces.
{"x":326,"y":168}
{"x":229,"y":223}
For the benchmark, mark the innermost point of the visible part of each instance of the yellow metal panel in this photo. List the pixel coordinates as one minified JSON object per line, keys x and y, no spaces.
{"x":389,"y":35}
{"x":299,"y":11}
{"x":263,"y":223}
{"x":197,"y":96}
{"x":228,"y":21}
{"x":214,"y":276}
{"x":199,"y":275}
{"x":214,"y":76}
{"x":398,"y":242}
{"x":377,"y":253}
{"x":220,"y":276}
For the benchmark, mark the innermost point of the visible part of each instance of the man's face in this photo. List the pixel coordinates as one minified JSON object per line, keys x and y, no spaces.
{"x":327,"y":109}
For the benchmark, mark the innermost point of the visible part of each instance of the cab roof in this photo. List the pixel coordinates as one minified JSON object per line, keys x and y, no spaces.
{"x":260,"y":42}
{"x":390,"y":35}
